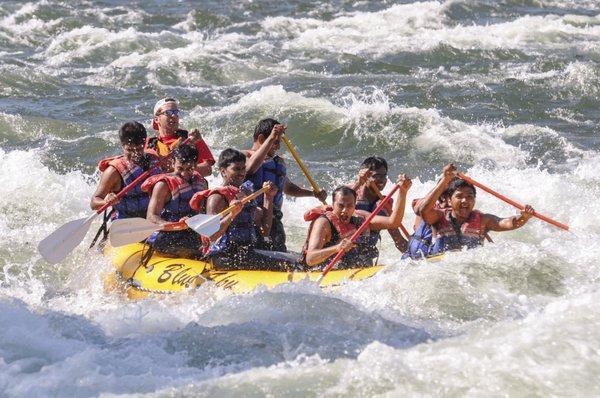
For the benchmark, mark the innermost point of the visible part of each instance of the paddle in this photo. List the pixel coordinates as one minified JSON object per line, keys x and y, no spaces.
{"x":130,"y":230}
{"x":358,"y":232}
{"x":511,"y":202}
{"x":56,"y":246}
{"x":300,"y":163}
{"x":207,"y":225}
{"x":388,"y":207}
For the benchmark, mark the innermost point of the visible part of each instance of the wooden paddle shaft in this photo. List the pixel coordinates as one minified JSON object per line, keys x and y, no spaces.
{"x":244,"y":200}
{"x":300,"y":163}
{"x":511,"y":202}
{"x":359,"y":231}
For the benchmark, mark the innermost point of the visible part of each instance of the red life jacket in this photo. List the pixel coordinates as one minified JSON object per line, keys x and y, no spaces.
{"x":124,"y":166}
{"x":198,"y":204}
{"x":344,"y":230}
{"x":241,"y":230}
{"x":361,"y":255}
{"x":135,"y":202}
{"x":450,"y":237}
{"x":104,"y":163}
{"x":198,"y":201}
{"x":181,"y":193}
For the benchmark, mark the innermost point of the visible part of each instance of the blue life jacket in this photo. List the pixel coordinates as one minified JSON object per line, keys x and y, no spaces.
{"x":241,"y":231}
{"x":272,"y":169}
{"x":451,"y":236}
{"x":135,"y":202}
{"x":181,"y":193}
{"x":419,"y":244}
{"x":370,"y":241}
{"x":179,"y":205}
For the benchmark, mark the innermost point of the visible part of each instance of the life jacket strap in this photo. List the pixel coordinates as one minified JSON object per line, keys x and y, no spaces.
{"x":103,"y":230}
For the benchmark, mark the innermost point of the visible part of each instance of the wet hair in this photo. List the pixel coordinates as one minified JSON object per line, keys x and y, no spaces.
{"x":229,"y":156}
{"x":132,"y":133}
{"x":374,"y":163}
{"x":186,"y":154}
{"x":264,"y":127}
{"x":456,"y":184}
{"x":343,"y":190}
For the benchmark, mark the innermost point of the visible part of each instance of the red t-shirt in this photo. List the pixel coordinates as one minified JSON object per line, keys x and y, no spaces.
{"x":204,"y":153}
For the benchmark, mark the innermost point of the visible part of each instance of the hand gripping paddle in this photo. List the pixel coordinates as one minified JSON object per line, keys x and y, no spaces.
{"x":207,"y":225}
{"x":56,"y":246}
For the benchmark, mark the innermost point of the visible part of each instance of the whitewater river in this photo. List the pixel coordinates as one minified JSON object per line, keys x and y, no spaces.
{"x":508,"y":90}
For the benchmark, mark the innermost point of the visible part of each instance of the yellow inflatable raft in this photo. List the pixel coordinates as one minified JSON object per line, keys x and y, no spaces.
{"x":165,"y":275}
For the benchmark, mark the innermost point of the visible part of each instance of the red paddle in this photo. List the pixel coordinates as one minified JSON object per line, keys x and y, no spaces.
{"x":511,"y":202}
{"x":358,"y":232}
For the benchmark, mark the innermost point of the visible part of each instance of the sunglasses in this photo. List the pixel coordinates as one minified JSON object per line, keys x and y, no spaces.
{"x":169,"y":112}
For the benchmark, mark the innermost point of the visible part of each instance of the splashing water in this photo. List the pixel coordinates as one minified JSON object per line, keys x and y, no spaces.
{"x":508,"y":91}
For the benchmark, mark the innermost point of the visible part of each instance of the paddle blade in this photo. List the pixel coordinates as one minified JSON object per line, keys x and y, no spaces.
{"x":56,"y":246}
{"x":204,"y":224}
{"x":130,"y":230}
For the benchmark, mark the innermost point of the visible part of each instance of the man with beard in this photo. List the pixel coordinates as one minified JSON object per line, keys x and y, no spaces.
{"x":331,"y":228}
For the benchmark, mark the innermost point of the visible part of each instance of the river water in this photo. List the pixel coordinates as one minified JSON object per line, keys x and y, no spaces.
{"x":508,"y":90}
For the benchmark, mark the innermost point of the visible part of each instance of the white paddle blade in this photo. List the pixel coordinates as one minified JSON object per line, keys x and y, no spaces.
{"x":56,"y":246}
{"x":130,"y":230}
{"x":204,"y":224}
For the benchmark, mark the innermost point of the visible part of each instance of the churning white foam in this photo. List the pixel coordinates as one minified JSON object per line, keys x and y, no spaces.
{"x":423,"y":26}
{"x":371,"y":118}
{"x":23,"y":24}
{"x":546,"y":353}
{"x":27,"y":187}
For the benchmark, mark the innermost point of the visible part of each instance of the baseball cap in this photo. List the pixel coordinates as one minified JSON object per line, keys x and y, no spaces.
{"x":163,"y":101}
